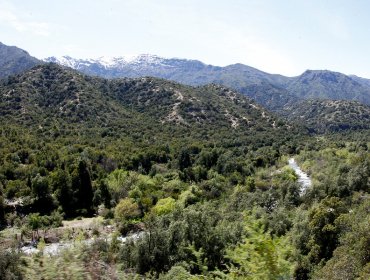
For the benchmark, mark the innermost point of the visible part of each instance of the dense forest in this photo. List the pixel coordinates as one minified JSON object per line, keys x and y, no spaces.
{"x":180,"y":182}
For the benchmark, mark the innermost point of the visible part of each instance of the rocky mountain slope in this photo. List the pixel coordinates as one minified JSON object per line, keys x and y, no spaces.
{"x":329,"y":85}
{"x":14,"y":60}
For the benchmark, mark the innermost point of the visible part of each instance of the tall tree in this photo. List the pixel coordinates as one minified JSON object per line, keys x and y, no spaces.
{"x":60,"y":181}
{"x":43,"y":203}
{"x":82,"y":188}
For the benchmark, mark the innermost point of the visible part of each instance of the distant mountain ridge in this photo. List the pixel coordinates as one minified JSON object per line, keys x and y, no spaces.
{"x":278,"y":91}
{"x":168,"y":68}
{"x":274,"y":92}
{"x":14,"y":60}
{"x":322,"y":115}
{"x":324,"y":84}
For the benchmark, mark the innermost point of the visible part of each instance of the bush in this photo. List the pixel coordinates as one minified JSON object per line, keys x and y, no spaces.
{"x":164,"y":206}
{"x":126,"y":210}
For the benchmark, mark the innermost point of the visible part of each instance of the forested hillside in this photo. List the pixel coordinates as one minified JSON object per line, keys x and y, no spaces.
{"x":50,"y":95}
{"x":322,"y":116}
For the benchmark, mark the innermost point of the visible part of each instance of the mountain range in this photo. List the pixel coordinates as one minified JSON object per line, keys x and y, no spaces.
{"x":321,"y":100}
{"x":270,"y":90}
{"x":278,"y":90}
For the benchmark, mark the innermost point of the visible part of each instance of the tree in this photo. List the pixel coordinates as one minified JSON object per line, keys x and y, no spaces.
{"x":82,"y":188}
{"x":126,"y":210}
{"x":324,"y":232}
{"x":184,"y":159}
{"x":177,"y":272}
{"x":351,"y":259}
{"x":102,"y":195}
{"x":119,"y":183}
{"x":260,"y":255}
{"x":164,"y":206}
{"x":43,"y":203}
{"x":35,"y":223}
{"x":10,"y":262}
{"x":2,"y":212}
{"x":61,"y":183}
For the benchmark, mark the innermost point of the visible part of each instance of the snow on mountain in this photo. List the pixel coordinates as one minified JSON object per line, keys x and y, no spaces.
{"x":143,"y":60}
{"x":133,"y":66}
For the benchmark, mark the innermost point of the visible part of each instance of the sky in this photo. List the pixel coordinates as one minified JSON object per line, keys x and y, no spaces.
{"x":285,"y":36}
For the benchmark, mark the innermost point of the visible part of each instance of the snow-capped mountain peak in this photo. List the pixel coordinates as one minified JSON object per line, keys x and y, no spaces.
{"x":129,"y":66}
{"x":63,"y":60}
{"x":109,"y":62}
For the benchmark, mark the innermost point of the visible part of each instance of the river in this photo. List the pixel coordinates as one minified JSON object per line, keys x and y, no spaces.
{"x":303,"y":179}
{"x":55,"y":248}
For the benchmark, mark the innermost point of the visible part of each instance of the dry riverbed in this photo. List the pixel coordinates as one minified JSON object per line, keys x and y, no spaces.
{"x":78,"y":229}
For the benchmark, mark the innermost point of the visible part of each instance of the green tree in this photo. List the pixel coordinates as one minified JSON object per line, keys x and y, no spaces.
{"x":82,"y":188}
{"x":10,"y":265}
{"x":41,"y":191}
{"x":61,"y":183}
{"x":164,"y":206}
{"x":351,"y":258}
{"x":126,"y":210}
{"x":177,"y":272}
{"x":119,"y":183}
{"x":184,"y":159}
{"x":260,"y":255}
{"x":34,"y":223}
{"x":324,"y":232}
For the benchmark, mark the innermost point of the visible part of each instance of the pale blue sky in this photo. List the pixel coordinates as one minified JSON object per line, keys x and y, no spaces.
{"x":285,"y":37}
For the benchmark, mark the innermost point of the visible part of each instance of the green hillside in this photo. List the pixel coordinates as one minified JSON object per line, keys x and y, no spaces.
{"x":50,"y":93}
{"x":322,"y":116}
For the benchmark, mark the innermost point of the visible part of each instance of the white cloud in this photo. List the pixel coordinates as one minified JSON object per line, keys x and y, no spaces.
{"x":21,"y":23}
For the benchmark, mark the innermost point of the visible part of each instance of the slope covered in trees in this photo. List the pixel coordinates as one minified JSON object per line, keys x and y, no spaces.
{"x":330,"y":115}
{"x":50,"y":94}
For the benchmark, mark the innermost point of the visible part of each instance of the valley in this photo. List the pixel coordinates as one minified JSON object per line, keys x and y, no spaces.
{"x":172,"y":169}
